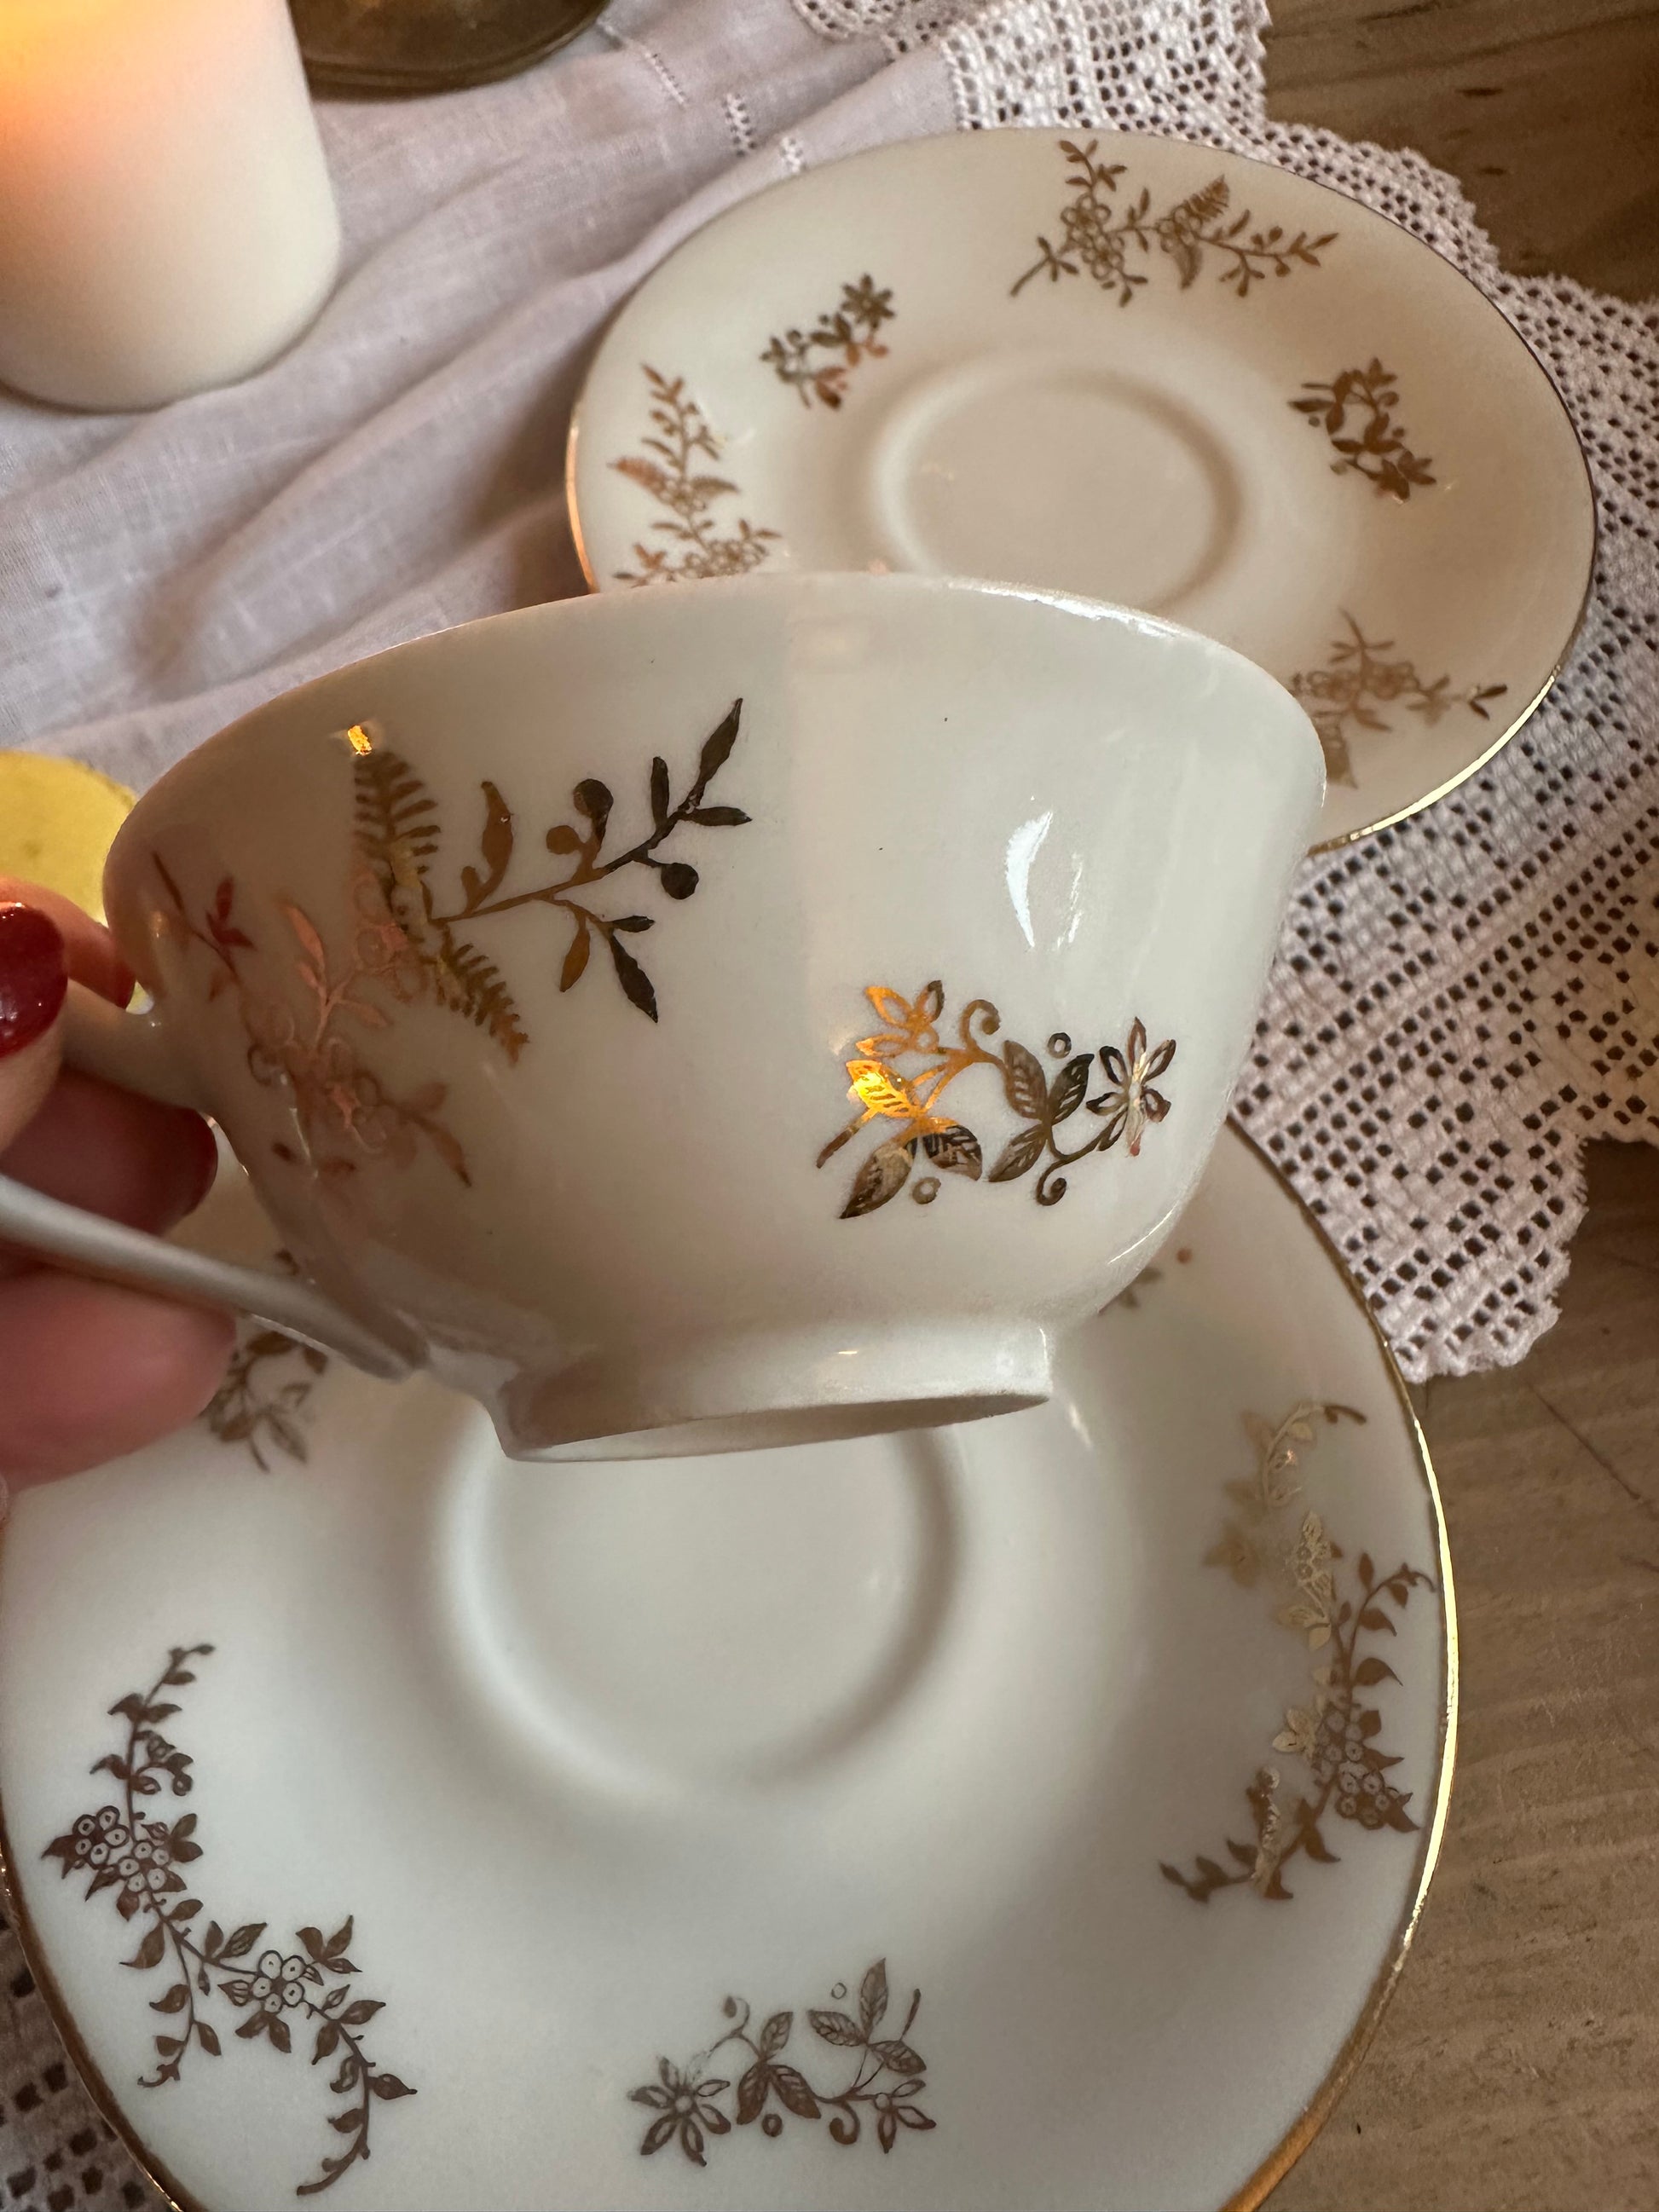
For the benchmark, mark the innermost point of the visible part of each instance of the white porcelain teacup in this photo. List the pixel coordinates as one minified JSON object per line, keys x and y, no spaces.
{"x":767,"y":1010}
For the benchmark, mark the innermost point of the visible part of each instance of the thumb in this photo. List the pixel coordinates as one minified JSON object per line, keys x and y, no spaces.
{"x":34,"y":980}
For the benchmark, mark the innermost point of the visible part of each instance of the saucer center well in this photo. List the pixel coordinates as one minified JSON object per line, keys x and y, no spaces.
{"x":717,"y":1619}
{"x":1056,"y":472}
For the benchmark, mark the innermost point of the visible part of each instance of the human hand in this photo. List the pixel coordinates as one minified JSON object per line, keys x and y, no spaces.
{"x":87,"y":1370}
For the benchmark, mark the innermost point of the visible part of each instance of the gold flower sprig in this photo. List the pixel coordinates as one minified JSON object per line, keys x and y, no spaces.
{"x":888,"y":2076}
{"x":818,"y":362}
{"x":668,"y":471}
{"x":1273,"y":1540}
{"x":884,"y":1089}
{"x":1380,"y":453}
{"x":1099,"y":235}
{"x":1344,"y":695}
{"x":277,"y":1992}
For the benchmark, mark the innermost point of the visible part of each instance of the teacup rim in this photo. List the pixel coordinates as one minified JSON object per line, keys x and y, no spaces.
{"x":615,"y":606}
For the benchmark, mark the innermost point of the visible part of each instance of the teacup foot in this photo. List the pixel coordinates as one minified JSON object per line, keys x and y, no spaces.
{"x":777,"y":1387}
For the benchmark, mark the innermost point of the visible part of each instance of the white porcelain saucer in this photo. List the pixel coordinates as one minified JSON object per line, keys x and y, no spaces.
{"x":1029,"y":1814}
{"x":1126,"y":366}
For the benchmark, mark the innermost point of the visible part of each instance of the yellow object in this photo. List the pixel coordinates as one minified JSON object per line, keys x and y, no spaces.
{"x":58,"y":820}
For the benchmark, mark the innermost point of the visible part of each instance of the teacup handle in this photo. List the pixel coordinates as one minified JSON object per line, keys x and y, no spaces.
{"x":133,"y":1051}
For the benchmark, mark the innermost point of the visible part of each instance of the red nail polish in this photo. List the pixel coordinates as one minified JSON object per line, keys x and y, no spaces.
{"x":33,"y":977}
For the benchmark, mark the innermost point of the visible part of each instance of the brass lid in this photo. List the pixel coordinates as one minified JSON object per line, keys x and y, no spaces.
{"x":429,"y":45}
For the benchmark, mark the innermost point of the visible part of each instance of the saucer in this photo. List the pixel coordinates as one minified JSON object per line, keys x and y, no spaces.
{"x":1033,"y":1813}
{"x":1130,"y":367}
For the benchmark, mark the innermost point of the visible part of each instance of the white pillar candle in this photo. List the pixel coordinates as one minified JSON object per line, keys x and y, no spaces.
{"x":165,"y":220}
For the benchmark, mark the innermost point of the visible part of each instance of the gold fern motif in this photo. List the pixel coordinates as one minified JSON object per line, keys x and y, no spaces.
{"x":398,"y":833}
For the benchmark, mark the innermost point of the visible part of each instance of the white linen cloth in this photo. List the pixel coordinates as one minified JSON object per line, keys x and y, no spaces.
{"x":1460,"y":1002}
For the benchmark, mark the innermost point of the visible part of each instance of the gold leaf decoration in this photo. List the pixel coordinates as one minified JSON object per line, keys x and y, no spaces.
{"x":1119,"y":243}
{"x":278,"y":1994}
{"x":886,"y":1091}
{"x":1377,"y":450}
{"x":578,"y":842}
{"x":398,"y":833}
{"x":818,"y":362}
{"x":1274,"y":1538}
{"x":251,"y":1408}
{"x":692,"y":2102}
{"x":303,"y":1011}
{"x":1346,"y":694}
{"x":344,"y":1115}
{"x":669,"y":473}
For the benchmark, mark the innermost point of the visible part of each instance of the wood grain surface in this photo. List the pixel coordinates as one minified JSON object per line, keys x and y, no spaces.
{"x":1547,"y":111}
{"x":1517,"y":2068}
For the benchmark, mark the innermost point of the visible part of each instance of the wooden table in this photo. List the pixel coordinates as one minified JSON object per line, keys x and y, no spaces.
{"x":1517,"y":2069}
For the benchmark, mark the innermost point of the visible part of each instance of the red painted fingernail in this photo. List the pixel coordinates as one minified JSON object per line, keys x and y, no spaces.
{"x":33,"y":976}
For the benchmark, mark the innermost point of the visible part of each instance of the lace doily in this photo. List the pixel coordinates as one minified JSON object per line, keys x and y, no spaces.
{"x":1463,"y":1002}
{"x":58,"y":2155}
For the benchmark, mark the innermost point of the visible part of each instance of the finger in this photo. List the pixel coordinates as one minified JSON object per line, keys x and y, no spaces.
{"x":115,"y":1153}
{"x":26,"y":1082}
{"x":89,"y":948}
{"x":34,"y":980}
{"x":88,"y":1371}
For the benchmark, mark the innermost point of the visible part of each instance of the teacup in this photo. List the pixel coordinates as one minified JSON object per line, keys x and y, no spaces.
{"x":767,"y":1010}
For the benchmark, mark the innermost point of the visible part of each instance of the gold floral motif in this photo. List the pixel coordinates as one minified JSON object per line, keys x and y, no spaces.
{"x":1343,"y":696}
{"x":1097,"y":235}
{"x":246,"y":1408}
{"x":668,"y":471}
{"x":1379,"y":454}
{"x":406,"y":948}
{"x":1126,"y":1107}
{"x":277,"y":1992}
{"x":819,"y":361}
{"x":344,"y":1112}
{"x":888,"y":2072}
{"x":1276,"y":1540}
{"x":399,"y":833}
